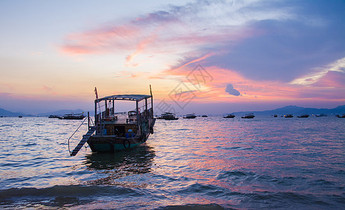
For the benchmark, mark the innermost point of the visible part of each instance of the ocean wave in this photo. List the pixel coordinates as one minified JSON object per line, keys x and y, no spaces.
{"x":62,"y":195}
{"x":212,"y":191}
{"x":212,"y":206}
{"x":29,"y":144}
{"x":254,"y":199}
{"x":276,"y":183}
{"x":6,"y":125}
{"x":201,"y":188}
{"x":282,"y":200}
{"x":228,"y":174}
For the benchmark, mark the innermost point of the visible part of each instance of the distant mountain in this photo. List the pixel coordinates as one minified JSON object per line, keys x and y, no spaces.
{"x":62,"y":112}
{"x":340,"y":109}
{"x":295,"y":110}
{"x":6,"y":113}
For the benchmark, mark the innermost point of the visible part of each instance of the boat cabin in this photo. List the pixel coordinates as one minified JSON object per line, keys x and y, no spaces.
{"x":108,"y":122}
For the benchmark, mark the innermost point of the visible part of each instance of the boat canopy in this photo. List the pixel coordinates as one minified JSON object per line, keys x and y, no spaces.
{"x":130,"y":97}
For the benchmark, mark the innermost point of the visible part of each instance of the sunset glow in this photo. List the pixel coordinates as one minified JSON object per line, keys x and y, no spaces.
{"x":263,"y":52}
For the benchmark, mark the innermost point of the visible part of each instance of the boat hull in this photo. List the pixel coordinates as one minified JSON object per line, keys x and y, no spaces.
{"x":106,"y":144}
{"x":303,"y":116}
{"x":248,"y":117}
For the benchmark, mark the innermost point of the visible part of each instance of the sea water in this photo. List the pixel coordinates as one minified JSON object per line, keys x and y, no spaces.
{"x":210,"y":162}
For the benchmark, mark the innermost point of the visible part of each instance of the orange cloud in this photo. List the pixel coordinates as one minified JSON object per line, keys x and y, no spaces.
{"x":249,"y":89}
{"x":109,"y":38}
{"x":191,"y":62}
{"x":215,"y":90}
{"x":140,"y":48}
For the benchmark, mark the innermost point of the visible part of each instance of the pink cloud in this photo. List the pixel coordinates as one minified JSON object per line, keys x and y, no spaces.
{"x":196,"y":60}
{"x":215,"y":88}
{"x":131,"y":74}
{"x":332,"y":79}
{"x":140,"y":48}
{"x":76,"y":49}
{"x":101,"y":40}
{"x":179,"y":31}
{"x":160,"y":38}
{"x":48,"y":90}
{"x":264,"y":91}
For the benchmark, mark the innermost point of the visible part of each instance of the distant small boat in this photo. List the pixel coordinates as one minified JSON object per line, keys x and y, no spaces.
{"x":190,"y":116}
{"x":320,"y":115}
{"x":204,"y":115}
{"x":20,"y":116}
{"x":275,"y":115}
{"x":229,"y":116}
{"x":248,"y":116}
{"x":303,"y":116}
{"x":340,"y":116}
{"x":288,"y":116}
{"x":168,"y":116}
{"x":54,"y":116}
{"x":72,"y":117}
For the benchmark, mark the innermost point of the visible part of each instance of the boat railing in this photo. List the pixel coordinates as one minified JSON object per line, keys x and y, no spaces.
{"x":90,"y":122}
{"x":68,"y":141}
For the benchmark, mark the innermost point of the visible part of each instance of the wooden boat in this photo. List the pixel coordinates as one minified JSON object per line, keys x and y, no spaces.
{"x":248,"y":116}
{"x":288,"y":116}
{"x":340,"y":116}
{"x":321,"y":115}
{"x":72,"y":116}
{"x":190,"y":116}
{"x":113,"y":131}
{"x":229,"y":116}
{"x":303,"y":116}
{"x":168,"y":116}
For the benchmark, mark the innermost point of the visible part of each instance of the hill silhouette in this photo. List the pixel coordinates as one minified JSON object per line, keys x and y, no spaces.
{"x":296,"y":110}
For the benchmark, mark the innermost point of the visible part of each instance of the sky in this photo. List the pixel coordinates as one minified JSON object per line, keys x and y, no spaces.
{"x":199,"y":56}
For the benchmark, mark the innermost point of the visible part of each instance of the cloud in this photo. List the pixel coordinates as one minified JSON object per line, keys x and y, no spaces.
{"x":49,"y":90}
{"x":232,"y":91}
{"x":102,"y":39}
{"x":332,"y":80}
{"x":192,"y":61}
{"x":139,"y":49}
{"x":270,"y":50}
{"x":337,"y":66}
{"x":329,"y":88}
{"x":178,"y":30}
{"x":213,"y":89}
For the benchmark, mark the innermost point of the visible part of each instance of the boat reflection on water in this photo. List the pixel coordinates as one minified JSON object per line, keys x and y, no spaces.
{"x":120,"y":164}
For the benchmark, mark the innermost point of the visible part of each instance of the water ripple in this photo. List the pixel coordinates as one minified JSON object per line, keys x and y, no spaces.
{"x":203,"y":163}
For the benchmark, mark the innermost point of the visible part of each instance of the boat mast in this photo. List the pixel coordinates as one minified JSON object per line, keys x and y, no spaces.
{"x":137,"y":112}
{"x":113,"y":112}
{"x":145,"y":106}
{"x":151,"y":101}
{"x":96,"y":120}
{"x":96,"y":101}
